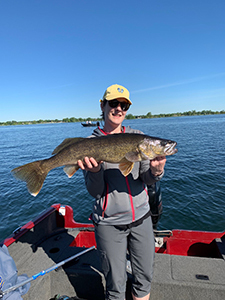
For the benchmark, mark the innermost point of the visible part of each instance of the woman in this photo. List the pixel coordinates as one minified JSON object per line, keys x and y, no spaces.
{"x":121,"y":210}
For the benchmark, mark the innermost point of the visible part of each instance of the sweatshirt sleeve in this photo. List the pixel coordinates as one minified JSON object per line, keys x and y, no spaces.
{"x":95,"y":183}
{"x":146,"y":175}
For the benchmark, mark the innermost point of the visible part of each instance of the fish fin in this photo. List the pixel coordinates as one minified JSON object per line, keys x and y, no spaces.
{"x":33,"y":174}
{"x":70,"y":170}
{"x":133,"y":156}
{"x":126,"y":167}
{"x":148,"y":156}
{"x":67,"y":142}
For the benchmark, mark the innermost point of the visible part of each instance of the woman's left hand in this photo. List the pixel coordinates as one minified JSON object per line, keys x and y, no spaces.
{"x":157,"y":165}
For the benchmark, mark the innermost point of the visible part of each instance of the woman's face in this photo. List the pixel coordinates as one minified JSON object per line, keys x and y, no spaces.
{"x":114,"y":115}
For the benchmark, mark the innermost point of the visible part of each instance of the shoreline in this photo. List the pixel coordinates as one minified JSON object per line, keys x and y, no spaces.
{"x":128,"y":117}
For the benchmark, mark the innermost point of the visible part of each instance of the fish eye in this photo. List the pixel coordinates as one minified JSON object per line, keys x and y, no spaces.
{"x":163,"y":143}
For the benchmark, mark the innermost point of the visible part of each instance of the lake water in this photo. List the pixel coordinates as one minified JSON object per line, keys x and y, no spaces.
{"x":193,"y":188}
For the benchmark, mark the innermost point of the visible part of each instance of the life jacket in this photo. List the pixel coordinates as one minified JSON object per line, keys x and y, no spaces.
{"x":9,"y":277}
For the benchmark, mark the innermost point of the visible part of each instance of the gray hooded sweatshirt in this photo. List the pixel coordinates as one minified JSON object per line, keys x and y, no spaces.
{"x":119,"y":200}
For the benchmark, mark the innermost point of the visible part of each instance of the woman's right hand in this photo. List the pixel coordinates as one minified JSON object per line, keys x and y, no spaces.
{"x":89,"y":164}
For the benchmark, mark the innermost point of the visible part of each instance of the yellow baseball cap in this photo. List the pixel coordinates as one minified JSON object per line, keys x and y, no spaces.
{"x":116,"y":91}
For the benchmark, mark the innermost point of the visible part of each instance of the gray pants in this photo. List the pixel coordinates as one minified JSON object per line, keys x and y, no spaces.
{"x":113,"y":244}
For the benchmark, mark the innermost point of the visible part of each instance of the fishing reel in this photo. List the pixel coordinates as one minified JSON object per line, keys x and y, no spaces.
{"x":63,"y":297}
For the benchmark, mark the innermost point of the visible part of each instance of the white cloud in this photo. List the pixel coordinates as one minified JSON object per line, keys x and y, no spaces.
{"x":196,"y":79}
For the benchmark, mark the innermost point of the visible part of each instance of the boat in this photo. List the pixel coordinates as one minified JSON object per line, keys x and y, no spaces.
{"x":188,"y":264}
{"x":90,"y":124}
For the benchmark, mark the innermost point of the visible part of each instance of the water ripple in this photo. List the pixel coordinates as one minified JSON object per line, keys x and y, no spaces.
{"x":193,"y":188}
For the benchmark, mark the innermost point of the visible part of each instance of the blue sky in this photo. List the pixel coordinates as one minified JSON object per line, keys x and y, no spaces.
{"x":58,"y":56}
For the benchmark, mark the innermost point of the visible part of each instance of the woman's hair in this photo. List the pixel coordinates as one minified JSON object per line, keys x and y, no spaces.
{"x":102,"y":114}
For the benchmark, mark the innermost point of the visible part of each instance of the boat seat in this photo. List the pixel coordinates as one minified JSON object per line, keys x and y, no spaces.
{"x":179,"y":277}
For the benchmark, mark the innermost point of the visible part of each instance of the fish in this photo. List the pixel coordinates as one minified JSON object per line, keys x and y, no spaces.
{"x":124,"y":149}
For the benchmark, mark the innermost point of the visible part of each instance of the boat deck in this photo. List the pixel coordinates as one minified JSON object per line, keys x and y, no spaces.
{"x":48,"y":242}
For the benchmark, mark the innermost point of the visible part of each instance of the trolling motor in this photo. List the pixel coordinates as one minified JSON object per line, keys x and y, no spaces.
{"x":155,"y":202}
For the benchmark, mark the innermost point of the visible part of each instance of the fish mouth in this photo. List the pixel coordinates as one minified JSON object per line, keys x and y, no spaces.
{"x":170,"y":149}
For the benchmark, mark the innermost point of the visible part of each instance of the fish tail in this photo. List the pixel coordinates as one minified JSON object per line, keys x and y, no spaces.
{"x":33,"y":174}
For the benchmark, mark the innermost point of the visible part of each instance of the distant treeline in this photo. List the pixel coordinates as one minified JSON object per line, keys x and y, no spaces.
{"x":129,"y":117}
{"x":178,"y":114}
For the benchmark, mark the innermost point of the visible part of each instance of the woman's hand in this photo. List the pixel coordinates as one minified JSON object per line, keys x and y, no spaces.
{"x":89,"y":164}
{"x":157,"y":165}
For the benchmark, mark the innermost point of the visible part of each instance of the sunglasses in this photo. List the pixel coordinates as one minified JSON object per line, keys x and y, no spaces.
{"x":114,"y":103}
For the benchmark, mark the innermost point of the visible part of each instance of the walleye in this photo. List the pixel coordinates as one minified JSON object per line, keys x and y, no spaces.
{"x":124,"y":149}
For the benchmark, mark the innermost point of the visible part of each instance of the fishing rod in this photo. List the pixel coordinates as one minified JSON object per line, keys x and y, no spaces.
{"x":14,"y":287}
